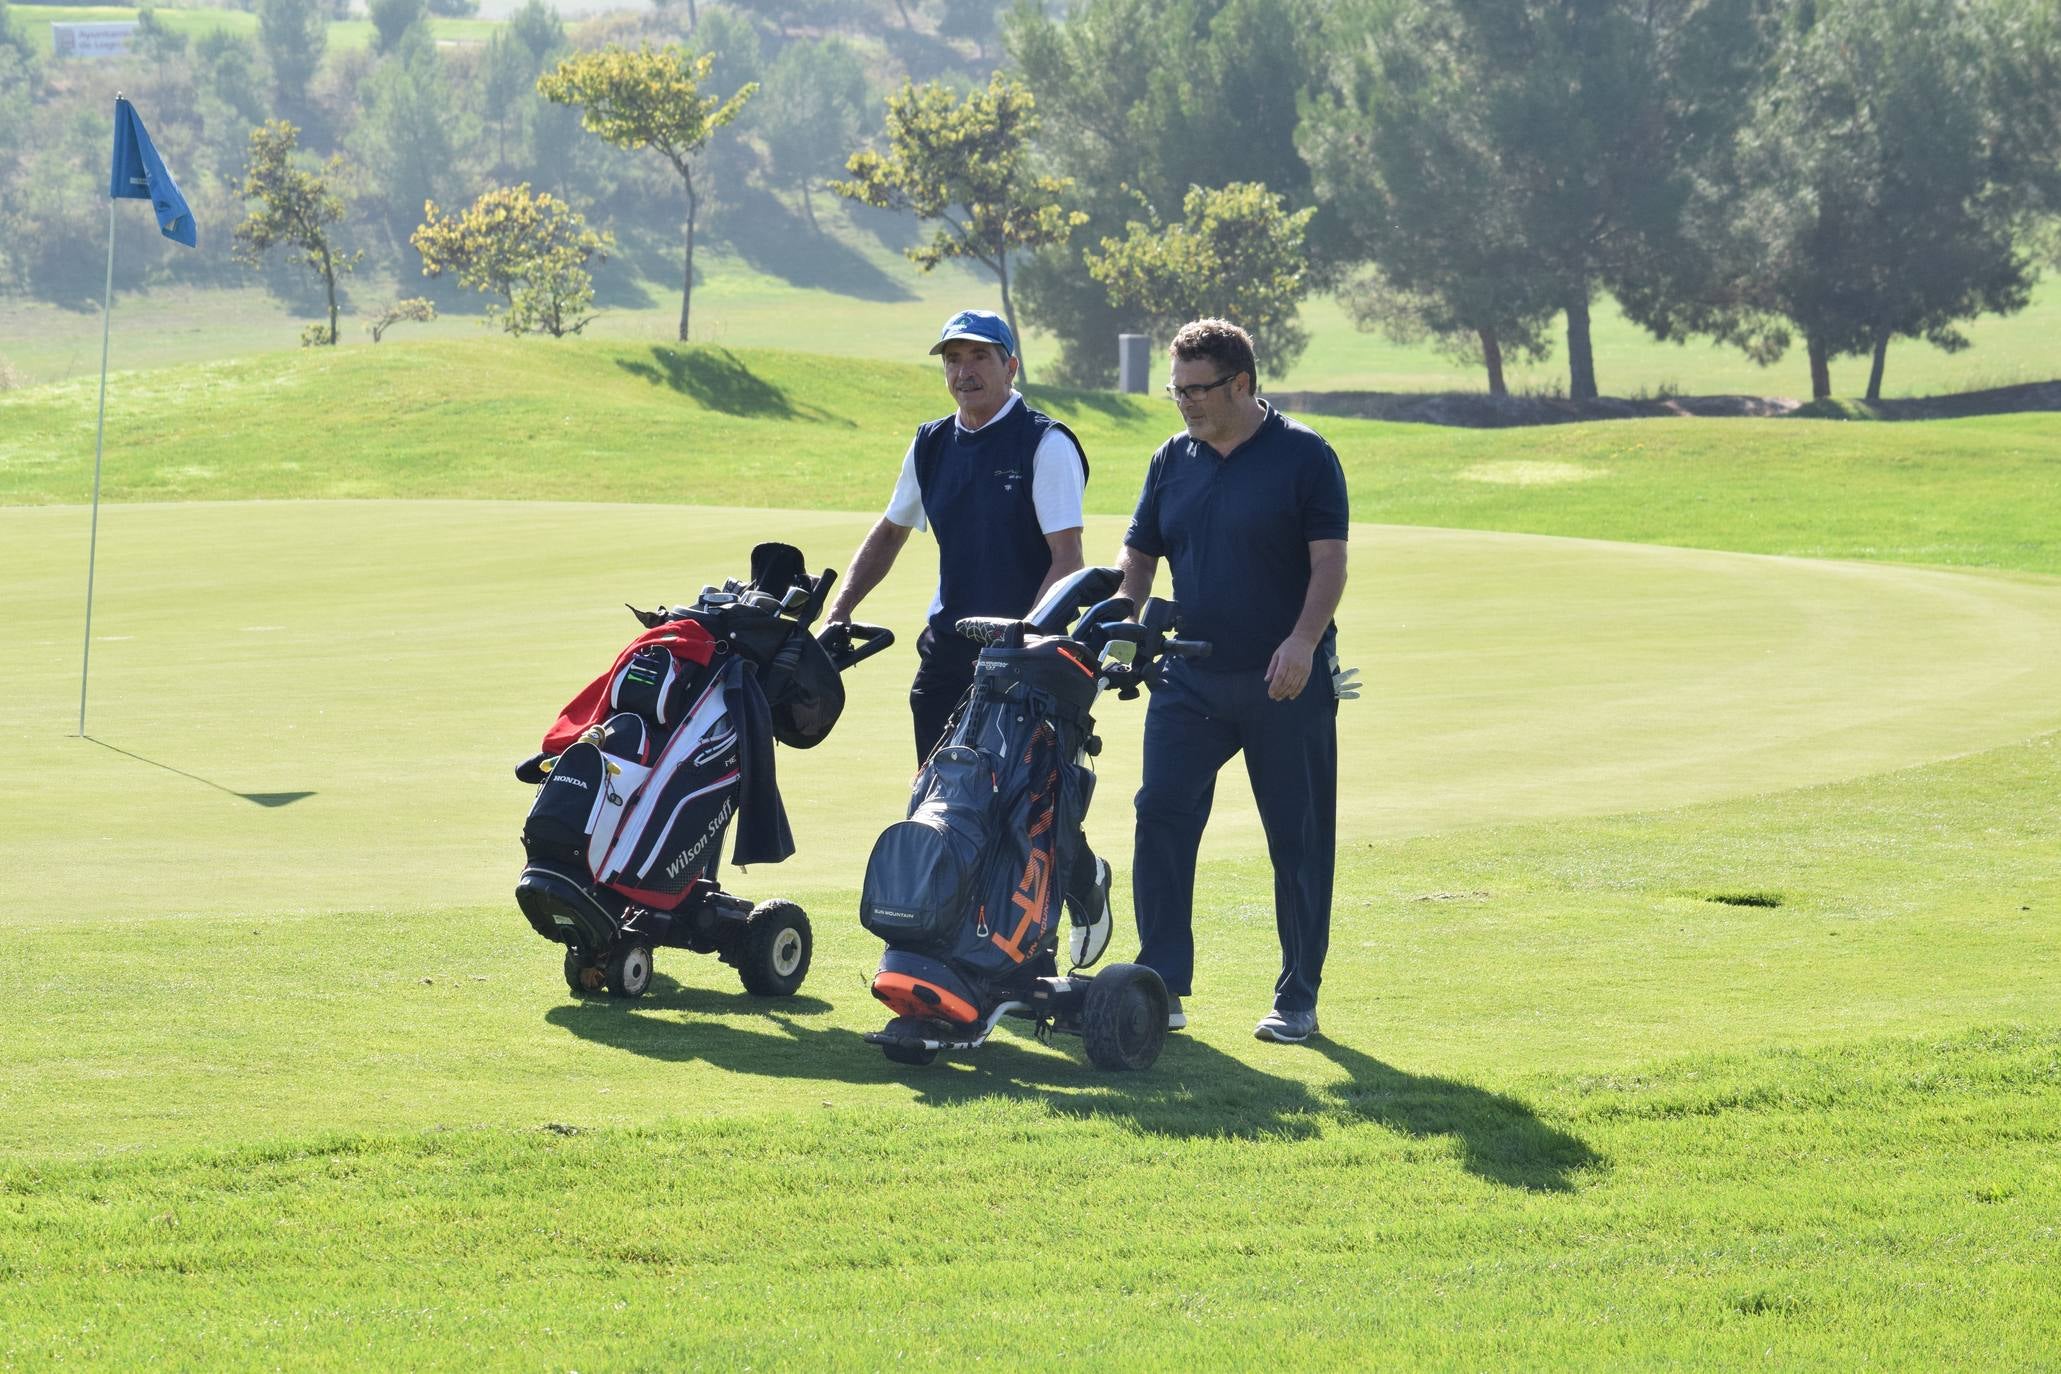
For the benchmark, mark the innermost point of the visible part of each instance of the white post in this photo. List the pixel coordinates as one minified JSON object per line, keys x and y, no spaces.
{"x":99,"y":434}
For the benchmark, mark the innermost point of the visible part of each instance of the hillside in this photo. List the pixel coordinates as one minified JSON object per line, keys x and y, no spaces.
{"x":592,"y":420}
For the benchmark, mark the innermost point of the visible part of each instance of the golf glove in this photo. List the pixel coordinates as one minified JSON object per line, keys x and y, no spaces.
{"x":1345,"y":682}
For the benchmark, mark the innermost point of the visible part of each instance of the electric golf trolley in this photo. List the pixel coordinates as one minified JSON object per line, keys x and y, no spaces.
{"x":967,"y":890}
{"x":656,"y":760}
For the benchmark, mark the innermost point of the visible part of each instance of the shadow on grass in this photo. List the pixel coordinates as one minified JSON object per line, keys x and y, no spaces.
{"x":771,"y":238}
{"x":718,"y":380}
{"x":1194,"y":1092}
{"x":270,"y":800}
{"x":1060,"y":402}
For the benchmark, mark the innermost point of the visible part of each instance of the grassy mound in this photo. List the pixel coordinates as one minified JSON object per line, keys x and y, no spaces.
{"x":598,"y":421}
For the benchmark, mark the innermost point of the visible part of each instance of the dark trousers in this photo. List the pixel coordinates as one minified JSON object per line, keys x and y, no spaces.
{"x":1196,"y":722}
{"x":944,"y":673}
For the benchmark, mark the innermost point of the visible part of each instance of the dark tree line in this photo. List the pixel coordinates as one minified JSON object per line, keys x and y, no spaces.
{"x":1846,"y":172}
{"x":1834,"y":174}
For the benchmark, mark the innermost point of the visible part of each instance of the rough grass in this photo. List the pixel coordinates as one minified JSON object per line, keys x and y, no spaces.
{"x":600,"y":421}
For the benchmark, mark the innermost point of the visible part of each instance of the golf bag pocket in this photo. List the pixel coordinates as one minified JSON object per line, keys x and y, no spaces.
{"x":673,"y":830}
{"x":924,"y":873}
{"x":568,"y":805}
{"x":627,"y":735}
{"x":651,"y":684}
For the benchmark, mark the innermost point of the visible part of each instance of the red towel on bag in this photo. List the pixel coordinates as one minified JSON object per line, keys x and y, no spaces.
{"x":687,"y":640}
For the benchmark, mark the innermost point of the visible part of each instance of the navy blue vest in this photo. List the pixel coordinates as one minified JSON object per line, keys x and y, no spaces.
{"x":992,"y":554}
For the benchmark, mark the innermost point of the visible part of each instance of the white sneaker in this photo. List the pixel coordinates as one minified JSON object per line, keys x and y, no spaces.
{"x":1176,"y":1019}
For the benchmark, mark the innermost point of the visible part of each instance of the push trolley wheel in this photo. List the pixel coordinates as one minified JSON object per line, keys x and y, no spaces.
{"x":775,"y":955}
{"x":1124,"y":1019}
{"x":918,"y":1055}
{"x":582,"y":977}
{"x":909,"y":1054}
{"x":629,"y":971}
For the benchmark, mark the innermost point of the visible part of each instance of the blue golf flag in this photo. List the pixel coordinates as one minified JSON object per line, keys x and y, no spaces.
{"x":138,"y":172}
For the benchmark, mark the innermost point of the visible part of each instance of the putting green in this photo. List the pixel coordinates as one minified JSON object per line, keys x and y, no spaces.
{"x":314,"y":706}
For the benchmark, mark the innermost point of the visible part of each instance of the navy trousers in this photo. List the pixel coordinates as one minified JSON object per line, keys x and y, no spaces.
{"x":944,"y":672}
{"x":1196,"y":722}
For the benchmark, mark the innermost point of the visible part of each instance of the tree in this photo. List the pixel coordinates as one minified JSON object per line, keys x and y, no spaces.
{"x":505,"y":77}
{"x":537,"y":27}
{"x":1892,"y":180}
{"x":392,"y":18}
{"x":1414,"y":172}
{"x":1236,"y":255}
{"x":1150,"y":97}
{"x":965,"y":164}
{"x":293,"y":34}
{"x":532,"y":251}
{"x":976,"y":21}
{"x":292,"y":206}
{"x":1585,"y":122}
{"x":155,"y":41}
{"x":408,"y":133}
{"x":649,"y":98}
{"x":809,"y":110}
{"x":13,"y":36}
{"x":415,"y":309}
{"x":227,"y":66}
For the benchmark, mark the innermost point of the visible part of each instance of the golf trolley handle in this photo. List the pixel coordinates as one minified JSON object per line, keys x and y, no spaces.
{"x":848,"y":643}
{"x":1186,"y":648}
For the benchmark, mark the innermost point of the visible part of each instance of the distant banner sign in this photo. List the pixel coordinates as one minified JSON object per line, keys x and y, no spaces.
{"x":91,"y":40}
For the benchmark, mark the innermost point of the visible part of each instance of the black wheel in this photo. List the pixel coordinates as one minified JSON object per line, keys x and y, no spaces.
{"x":775,"y":955}
{"x":1124,"y":1019}
{"x":629,"y":971}
{"x":908,"y":1054}
{"x":578,"y":973}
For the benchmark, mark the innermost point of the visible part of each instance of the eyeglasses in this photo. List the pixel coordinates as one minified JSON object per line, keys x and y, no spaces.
{"x":1197,"y":391}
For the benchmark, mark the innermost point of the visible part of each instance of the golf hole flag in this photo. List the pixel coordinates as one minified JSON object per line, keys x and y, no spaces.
{"x":139,"y":173}
{"x":136,"y":173}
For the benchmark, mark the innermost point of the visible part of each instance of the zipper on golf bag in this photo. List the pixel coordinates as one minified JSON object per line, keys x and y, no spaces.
{"x":926,"y":872}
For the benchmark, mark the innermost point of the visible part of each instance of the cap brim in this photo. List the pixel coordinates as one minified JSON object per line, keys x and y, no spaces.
{"x":939,"y":346}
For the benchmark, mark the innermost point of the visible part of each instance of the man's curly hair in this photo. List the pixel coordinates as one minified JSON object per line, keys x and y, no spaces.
{"x":1220,"y":341}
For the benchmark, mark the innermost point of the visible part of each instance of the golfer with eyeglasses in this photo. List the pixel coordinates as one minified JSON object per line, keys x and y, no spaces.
{"x":1249,"y":509}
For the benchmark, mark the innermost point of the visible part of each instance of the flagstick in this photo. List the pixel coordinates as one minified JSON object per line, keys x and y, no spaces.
{"x":99,"y":434}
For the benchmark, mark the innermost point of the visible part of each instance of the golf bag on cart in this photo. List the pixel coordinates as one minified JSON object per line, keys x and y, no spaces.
{"x":967,"y":891}
{"x":647,"y":769}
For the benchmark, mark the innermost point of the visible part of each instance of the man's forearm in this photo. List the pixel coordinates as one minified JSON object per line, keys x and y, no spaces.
{"x":1320,"y":602}
{"x":875,"y":556}
{"x":1138,"y":570}
{"x":1066,"y":561}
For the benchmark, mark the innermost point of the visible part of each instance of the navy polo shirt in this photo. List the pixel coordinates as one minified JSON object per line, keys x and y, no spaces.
{"x":1236,"y":533}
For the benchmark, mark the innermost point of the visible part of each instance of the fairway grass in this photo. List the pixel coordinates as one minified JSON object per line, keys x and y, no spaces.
{"x":1691,"y":999}
{"x":307,"y":682}
{"x":1567,"y":1113}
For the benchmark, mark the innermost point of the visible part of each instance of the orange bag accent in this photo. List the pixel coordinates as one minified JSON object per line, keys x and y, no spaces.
{"x":899,"y":992}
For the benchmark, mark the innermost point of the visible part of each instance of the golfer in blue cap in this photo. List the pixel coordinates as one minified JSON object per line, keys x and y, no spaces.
{"x":1000,"y":485}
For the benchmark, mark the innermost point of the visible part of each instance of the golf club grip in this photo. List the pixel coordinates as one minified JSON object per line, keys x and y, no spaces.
{"x":1186,"y":648}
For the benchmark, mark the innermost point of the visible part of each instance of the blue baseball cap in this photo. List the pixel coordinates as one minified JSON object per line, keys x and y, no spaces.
{"x":984,"y":325}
